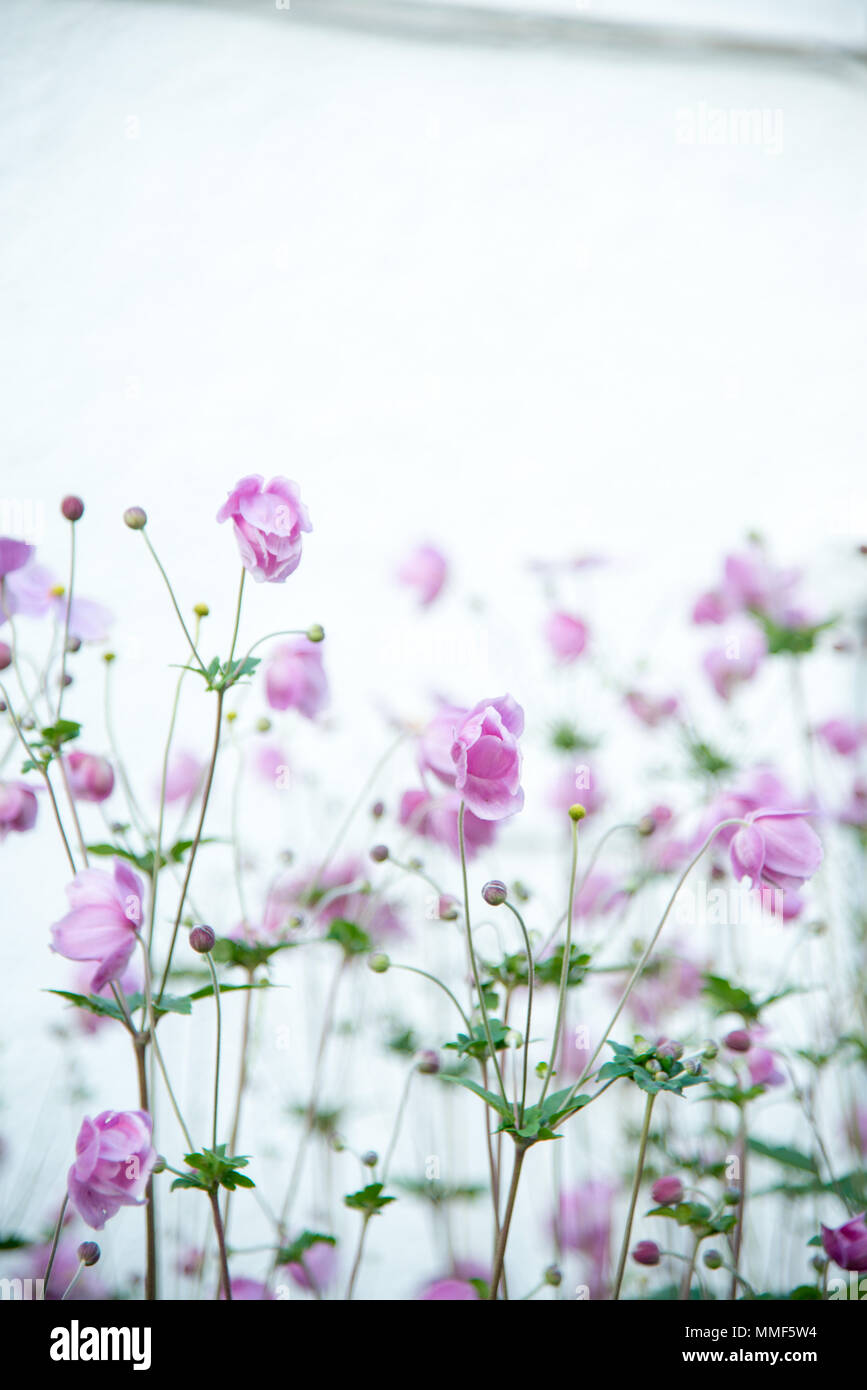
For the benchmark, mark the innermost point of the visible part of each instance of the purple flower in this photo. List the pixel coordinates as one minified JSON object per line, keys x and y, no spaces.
{"x":449,"y":1290}
{"x":91,"y":778}
{"x":847,"y":1245}
{"x":18,"y":807}
{"x":424,"y":570}
{"x":185,"y":772}
{"x":13,"y":555}
{"x":113,"y":1160}
{"x":247,"y":1290}
{"x":295,"y":678}
{"x":651,"y":710}
{"x":436,"y":741}
{"x":842,"y":736}
{"x":566,"y":636}
{"x":646,"y":1252}
{"x":33,"y":591}
{"x":487,"y":758}
{"x":763,"y":1069}
{"x":318,"y":1269}
{"x":103,"y":921}
{"x":436,"y":818}
{"x":269,"y":520}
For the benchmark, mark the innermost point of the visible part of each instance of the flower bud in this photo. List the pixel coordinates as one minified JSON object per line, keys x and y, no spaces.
{"x":159,"y":1165}
{"x":109,"y":657}
{"x":263,"y":725}
{"x":738,"y":1040}
{"x":428,"y":1062}
{"x":646,"y":1252}
{"x":136,"y":518}
{"x":72,"y":508}
{"x":370,"y":1159}
{"x":669,"y":1048}
{"x":379,"y":854}
{"x":667,"y":1191}
{"x":379,"y":963}
{"x":88,"y":1252}
{"x":577,"y":812}
{"x":201,"y":610}
{"x":495,"y":893}
{"x":315,"y":633}
{"x":713,"y":1259}
{"x":553,"y":1276}
{"x":447,"y":909}
{"x":377,"y":810}
{"x":202,"y":939}
{"x":5,"y":656}
{"x":710,"y":1051}
{"x":732,"y":1196}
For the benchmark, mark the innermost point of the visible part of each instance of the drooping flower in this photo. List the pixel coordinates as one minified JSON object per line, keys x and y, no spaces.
{"x":424,"y":570}
{"x":436,"y":741}
{"x":846,"y":1245}
{"x":114,"y":1158}
{"x":18,"y":808}
{"x":268,"y":519}
{"x":295,"y":677}
{"x":566,"y":636}
{"x":103,"y":921}
{"x":736,"y":661}
{"x":487,"y":758}
{"x":776,"y":848}
{"x":436,"y":818}
{"x":91,"y":778}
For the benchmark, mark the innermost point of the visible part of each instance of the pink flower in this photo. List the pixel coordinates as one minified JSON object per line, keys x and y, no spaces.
{"x":248,"y":1290}
{"x":847,"y":1245}
{"x":651,"y":710}
{"x":114,"y":1158}
{"x":18,"y":807}
{"x":436,"y":741}
{"x":646,"y":1252}
{"x":268,"y":521}
{"x":763,"y":1069}
{"x":33,"y":591}
{"x":130,"y":982}
{"x":184,"y":774}
{"x":425,"y":571}
{"x":91,"y":778}
{"x":584,"y":1224}
{"x":598,"y":894}
{"x":735,"y":662}
{"x":436,"y":818}
{"x":750,"y":583}
{"x":102,"y":925}
{"x":13,"y":555}
{"x":449,"y":1291}
{"x":318,"y":1269}
{"x":487,"y":758}
{"x":777,"y":848}
{"x":710,"y":608}
{"x":579,"y":783}
{"x":295,"y":678}
{"x":842,"y":736}
{"x":374,"y":914}
{"x":566,"y":636}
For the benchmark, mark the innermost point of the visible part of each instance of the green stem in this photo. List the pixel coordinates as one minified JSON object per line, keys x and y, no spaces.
{"x":500,"y":1252}
{"x":53,"y":1252}
{"x":530,"y":977}
{"x":642,"y":1151}
{"x":159,"y":566}
{"x":219,"y":1044}
{"x":567,"y":961}
{"x":472,"y":956}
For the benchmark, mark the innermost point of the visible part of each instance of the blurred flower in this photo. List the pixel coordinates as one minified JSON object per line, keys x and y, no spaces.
{"x":842,"y":735}
{"x":487,"y":758}
{"x":34,"y":591}
{"x":736,"y":661}
{"x":436,"y":818}
{"x":649,"y":709}
{"x":667,"y":1191}
{"x":183,"y":775}
{"x":268,"y":520}
{"x":598,"y":894}
{"x":666,"y":983}
{"x":295,"y":678}
{"x":750,"y":583}
{"x":763,"y":1069}
{"x":315,"y":896}
{"x":13,"y":555}
{"x":436,"y":741}
{"x":319,"y":1267}
{"x":424,"y":570}
{"x":566,"y":636}
{"x":102,"y":925}
{"x":646,"y":1252}
{"x":91,"y":778}
{"x":247,"y":1290}
{"x":18,"y":807}
{"x":63,"y":1271}
{"x":114,"y":1157}
{"x":847,"y":1244}
{"x":449,"y":1290}
{"x":584,"y":1224}
{"x":579,"y":783}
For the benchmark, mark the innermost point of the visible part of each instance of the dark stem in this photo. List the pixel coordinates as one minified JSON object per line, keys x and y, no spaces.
{"x":500,"y":1253}
{"x":150,"y":1215}
{"x":225,"y":1282}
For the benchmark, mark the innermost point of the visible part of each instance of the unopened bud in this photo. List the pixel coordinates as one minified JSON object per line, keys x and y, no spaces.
{"x":379,"y":854}
{"x":377,"y":810}
{"x":553,"y":1276}
{"x":738,"y":1040}
{"x":202,"y":939}
{"x":495,"y":893}
{"x":5,"y":656}
{"x":428,"y":1062}
{"x":577,"y":812}
{"x":88,"y":1252}
{"x":379,"y":963}
{"x":263,"y":725}
{"x":201,"y":610}
{"x":370,"y":1159}
{"x":136,"y":518}
{"x":316,"y":633}
{"x":713,"y":1259}
{"x":447,"y":909}
{"x":646,"y":1252}
{"x":72,"y":508}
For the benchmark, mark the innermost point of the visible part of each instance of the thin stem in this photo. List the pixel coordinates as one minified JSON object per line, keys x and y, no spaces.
{"x":237,"y":620}
{"x":150,"y":1215}
{"x":57,"y":1229}
{"x":219,"y":1044}
{"x":66,"y":622}
{"x":591,"y":864}
{"x":398,"y":1120}
{"x":530,"y":978}
{"x":44,"y":773}
{"x":415,"y":970}
{"x":209,"y":780}
{"x":472,"y":956}
{"x":159,"y":566}
{"x":567,"y":962}
{"x":627,"y":1234}
{"x":73,"y":1281}
{"x":500,"y":1253}
{"x":353,"y":810}
{"x":350,"y":1288}
{"x":158,"y":1050}
{"x":225,"y":1281}
{"x":686,"y":1282}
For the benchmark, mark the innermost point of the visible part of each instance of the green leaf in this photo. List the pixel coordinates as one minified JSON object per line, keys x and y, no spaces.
{"x":495,"y":1102}
{"x":368,"y":1199}
{"x":293,"y":1254}
{"x":350,"y":936}
{"x":64,"y":731}
{"x":781,"y":1153}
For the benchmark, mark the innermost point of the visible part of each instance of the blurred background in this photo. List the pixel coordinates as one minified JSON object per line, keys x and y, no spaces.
{"x":533,"y":282}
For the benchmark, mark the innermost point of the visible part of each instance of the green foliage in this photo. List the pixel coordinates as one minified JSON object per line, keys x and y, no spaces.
{"x":145,"y":862}
{"x":352,"y":938}
{"x":368,"y":1199}
{"x":650,"y":1072}
{"x":214,"y":1168}
{"x":477,"y":1045}
{"x":294,"y":1254}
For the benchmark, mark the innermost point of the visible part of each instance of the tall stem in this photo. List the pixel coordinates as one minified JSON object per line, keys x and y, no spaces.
{"x":472,"y":957}
{"x":57,"y":1229}
{"x":139,"y":1046}
{"x":219,"y":1044}
{"x":500,"y":1252}
{"x":225,"y":1281}
{"x":627,"y":1234}
{"x":567,"y":962}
